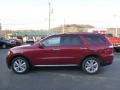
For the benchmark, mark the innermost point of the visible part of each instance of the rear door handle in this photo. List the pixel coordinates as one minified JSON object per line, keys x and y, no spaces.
{"x":56,"y":49}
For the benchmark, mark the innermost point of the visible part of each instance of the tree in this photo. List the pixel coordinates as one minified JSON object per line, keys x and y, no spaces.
{"x":72,"y":28}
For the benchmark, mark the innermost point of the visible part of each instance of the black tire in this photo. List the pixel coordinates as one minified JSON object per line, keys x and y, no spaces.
{"x":4,"y":46}
{"x":91,"y":65}
{"x":25,"y":66}
{"x":117,"y":49}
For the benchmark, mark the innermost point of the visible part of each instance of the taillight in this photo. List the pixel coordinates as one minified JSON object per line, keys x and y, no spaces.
{"x":111,"y":46}
{"x":110,"y":50}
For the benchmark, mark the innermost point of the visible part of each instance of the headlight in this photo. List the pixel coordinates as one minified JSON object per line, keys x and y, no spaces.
{"x":8,"y":53}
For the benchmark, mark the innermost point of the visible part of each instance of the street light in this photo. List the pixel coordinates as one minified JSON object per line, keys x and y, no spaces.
{"x":0,"y":29}
{"x":63,"y":31}
{"x":49,"y":15}
{"x":116,"y":29}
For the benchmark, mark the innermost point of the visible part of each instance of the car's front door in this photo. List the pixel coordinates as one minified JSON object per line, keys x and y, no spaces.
{"x":49,"y":55}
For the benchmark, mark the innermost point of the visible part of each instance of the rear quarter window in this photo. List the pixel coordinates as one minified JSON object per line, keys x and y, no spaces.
{"x":94,"y":39}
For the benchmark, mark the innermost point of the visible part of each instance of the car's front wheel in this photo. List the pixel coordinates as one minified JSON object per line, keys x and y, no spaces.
{"x":4,"y":46}
{"x":91,"y":65}
{"x":20,"y":65}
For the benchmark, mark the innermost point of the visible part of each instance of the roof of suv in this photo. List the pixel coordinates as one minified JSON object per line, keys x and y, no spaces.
{"x":81,"y":33}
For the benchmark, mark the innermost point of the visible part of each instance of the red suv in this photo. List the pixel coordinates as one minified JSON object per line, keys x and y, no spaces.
{"x":90,"y":51}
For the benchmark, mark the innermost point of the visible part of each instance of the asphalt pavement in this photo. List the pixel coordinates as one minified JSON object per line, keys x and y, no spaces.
{"x":60,"y":78}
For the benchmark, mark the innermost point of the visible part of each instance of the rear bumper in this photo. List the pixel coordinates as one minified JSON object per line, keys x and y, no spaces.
{"x":106,"y":63}
{"x":116,"y":45}
{"x":107,"y":60}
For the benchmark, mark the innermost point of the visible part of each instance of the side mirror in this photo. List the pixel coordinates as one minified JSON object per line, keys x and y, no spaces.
{"x":41,"y":45}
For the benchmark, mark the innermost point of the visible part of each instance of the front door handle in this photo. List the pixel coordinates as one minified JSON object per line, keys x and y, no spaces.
{"x":83,"y":48}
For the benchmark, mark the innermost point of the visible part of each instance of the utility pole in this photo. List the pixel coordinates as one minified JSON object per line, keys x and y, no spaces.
{"x":116,"y":29}
{"x":63,"y":31}
{"x":0,"y":29}
{"x":49,"y":15}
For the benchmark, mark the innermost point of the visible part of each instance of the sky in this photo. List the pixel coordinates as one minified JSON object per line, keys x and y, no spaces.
{"x":33,"y":14}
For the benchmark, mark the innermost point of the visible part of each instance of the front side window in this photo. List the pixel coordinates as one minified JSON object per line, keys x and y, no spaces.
{"x":54,"y":41}
{"x":70,"y":40}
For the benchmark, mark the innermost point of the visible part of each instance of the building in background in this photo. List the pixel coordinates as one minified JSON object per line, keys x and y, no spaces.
{"x":98,"y":30}
{"x":105,"y":31}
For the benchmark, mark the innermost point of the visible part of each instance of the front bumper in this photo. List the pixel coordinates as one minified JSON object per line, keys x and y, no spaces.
{"x":9,"y":58}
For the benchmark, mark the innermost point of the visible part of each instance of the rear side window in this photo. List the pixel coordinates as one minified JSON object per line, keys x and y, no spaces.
{"x":95,"y":39}
{"x":70,"y":40}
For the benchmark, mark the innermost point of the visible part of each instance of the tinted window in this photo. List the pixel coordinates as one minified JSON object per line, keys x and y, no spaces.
{"x":70,"y":40}
{"x":54,"y":41}
{"x":95,"y":39}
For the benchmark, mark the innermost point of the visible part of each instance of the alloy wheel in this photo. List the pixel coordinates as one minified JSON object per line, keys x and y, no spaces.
{"x":20,"y":65}
{"x":91,"y":65}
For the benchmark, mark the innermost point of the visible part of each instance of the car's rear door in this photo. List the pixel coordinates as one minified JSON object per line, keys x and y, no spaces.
{"x":71,"y":49}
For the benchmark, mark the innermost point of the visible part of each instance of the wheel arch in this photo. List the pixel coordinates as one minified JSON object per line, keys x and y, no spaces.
{"x":92,"y":55}
{"x":19,"y":55}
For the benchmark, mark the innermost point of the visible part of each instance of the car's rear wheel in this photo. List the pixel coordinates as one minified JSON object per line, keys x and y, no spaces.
{"x":91,"y":65}
{"x":20,"y":65}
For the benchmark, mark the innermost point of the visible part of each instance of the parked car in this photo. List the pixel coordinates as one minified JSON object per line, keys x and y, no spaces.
{"x":114,"y":40}
{"x":4,"y":43}
{"x":8,"y":43}
{"x":87,"y":50}
{"x":16,"y":42}
{"x":30,"y":41}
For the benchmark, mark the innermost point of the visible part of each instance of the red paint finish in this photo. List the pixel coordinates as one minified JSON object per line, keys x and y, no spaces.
{"x":63,"y":54}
